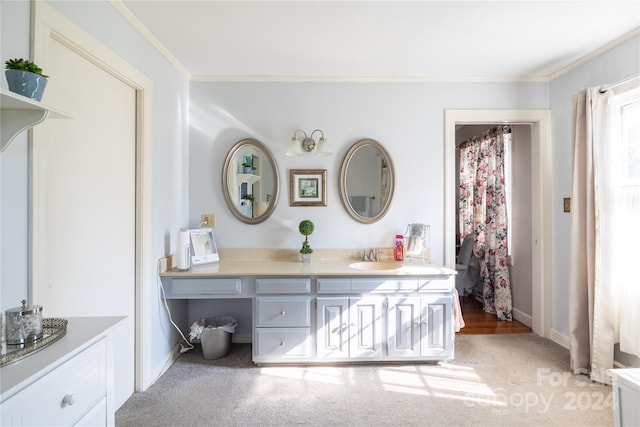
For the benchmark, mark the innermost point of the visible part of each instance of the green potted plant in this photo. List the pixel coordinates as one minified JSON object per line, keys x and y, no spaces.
{"x":306,"y":228}
{"x":247,"y":165}
{"x":25,"y":78}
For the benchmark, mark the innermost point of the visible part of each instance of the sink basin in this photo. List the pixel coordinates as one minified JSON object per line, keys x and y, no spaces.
{"x":376,"y":265}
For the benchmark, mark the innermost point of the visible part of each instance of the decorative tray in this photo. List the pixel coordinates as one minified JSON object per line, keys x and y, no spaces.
{"x":52,"y":330}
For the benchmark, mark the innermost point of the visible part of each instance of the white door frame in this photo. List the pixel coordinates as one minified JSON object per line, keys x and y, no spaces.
{"x":48,"y":23}
{"x":540,"y":121}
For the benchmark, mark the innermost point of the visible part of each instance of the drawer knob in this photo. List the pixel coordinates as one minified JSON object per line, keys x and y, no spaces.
{"x":282,"y":313}
{"x":281,"y":343}
{"x":68,"y":399}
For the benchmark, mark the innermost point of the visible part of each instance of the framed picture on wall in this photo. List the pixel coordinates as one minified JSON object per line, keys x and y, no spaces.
{"x":308,"y":187}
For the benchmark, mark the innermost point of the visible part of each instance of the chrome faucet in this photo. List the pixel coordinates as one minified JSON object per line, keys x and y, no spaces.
{"x":372,"y":256}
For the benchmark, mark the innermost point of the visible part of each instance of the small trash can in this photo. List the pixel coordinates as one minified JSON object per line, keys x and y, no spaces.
{"x":216,"y":336}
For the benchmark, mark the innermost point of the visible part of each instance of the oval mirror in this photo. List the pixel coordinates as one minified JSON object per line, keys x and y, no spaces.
{"x":367,"y":181}
{"x":250,"y":181}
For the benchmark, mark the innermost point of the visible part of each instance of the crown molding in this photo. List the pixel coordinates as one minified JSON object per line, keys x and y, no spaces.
{"x":135,"y":22}
{"x":364,"y":79}
{"x":147,"y":35}
{"x":616,"y":42}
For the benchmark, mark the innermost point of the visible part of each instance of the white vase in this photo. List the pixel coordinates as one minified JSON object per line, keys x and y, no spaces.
{"x":305,"y":257}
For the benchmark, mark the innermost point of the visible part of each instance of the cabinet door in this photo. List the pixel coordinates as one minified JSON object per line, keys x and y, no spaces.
{"x":333,"y":327}
{"x":403,"y":327}
{"x":365,"y":327}
{"x":437,"y":320}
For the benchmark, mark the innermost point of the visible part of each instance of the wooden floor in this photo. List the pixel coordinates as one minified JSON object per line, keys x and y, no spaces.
{"x":478,"y":321}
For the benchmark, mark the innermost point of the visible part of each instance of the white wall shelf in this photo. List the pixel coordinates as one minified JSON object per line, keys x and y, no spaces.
{"x":18,"y":113}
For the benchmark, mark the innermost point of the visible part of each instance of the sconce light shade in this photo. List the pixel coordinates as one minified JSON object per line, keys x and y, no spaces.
{"x":322,"y":149}
{"x":308,"y":144}
{"x":294,"y":147}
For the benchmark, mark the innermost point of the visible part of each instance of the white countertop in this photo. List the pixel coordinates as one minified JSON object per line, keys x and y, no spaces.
{"x":81,"y":332}
{"x":629,"y":376}
{"x":253,"y":262}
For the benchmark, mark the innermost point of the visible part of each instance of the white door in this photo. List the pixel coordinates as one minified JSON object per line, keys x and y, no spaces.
{"x":403,"y":328}
{"x":437,"y":319}
{"x":333,"y":327}
{"x":365,"y":327}
{"x":84,"y":202}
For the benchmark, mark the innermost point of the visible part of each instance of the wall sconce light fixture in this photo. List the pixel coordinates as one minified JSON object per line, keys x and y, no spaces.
{"x":308,"y":144}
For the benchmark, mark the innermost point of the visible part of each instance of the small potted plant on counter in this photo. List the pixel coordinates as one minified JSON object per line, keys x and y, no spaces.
{"x":306,"y":228}
{"x":25,"y":78}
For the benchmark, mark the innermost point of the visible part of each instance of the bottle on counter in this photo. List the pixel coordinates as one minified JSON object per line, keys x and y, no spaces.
{"x":398,"y":254}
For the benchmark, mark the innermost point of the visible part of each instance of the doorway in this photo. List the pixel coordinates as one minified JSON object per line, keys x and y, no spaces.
{"x":90,"y":185}
{"x":518,"y":193}
{"x":539,"y":122}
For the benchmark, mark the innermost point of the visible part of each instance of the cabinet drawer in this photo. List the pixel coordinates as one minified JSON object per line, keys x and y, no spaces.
{"x":283,"y":311}
{"x":200,"y":287}
{"x":283,"y":343}
{"x":63,"y":396}
{"x":390,"y":285}
{"x":436,"y":284}
{"x":334,"y":286}
{"x":283,"y":286}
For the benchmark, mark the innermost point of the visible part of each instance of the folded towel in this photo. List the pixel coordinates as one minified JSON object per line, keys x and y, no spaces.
{"x":458,"y":321}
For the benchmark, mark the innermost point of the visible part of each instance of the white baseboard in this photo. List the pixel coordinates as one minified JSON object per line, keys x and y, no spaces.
{"x":165,"y":364}
{"x":522,"y":317}
{"x":559,"y":338}
{"x":242,"y":337}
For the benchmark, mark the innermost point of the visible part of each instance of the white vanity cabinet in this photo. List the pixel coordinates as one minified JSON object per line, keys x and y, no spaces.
{"x":282,"y":321}
{"x":68,"y":383}
{"x":328,"y":315}
{"x":390,"y":319}
{"x":65,"y":396}
{"x":349,"y":328}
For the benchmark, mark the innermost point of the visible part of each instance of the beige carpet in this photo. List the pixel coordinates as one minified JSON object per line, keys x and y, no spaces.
{"x":495,"y":380}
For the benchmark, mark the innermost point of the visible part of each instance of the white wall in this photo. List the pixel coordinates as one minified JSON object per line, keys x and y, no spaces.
{"x":14,"y":17}
{"x":406,"y":118}
{"x":611,"y":66}
{"x":169,"y":113}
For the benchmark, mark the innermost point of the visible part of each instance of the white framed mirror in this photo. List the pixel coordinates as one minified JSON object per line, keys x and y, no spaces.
{"x":250,"y":181}
{"x":367,"y":181}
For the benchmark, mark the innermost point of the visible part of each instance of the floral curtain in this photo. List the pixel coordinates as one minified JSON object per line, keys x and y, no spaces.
{"x":483,"y":211}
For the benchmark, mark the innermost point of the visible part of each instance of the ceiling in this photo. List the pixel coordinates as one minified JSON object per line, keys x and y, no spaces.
{"x":384,"y":40}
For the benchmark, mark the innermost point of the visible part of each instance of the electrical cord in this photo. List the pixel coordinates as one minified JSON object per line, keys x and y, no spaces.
{"x":183,"y":348}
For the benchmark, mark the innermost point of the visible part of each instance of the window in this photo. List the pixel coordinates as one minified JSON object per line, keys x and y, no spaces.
{"x":626,"y":135}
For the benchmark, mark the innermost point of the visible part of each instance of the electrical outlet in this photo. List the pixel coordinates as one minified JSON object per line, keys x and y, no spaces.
{"x":209,"y":220}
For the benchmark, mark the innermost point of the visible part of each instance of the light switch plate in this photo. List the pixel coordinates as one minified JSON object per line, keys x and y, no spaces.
{"x":208,"y":220}
{"x":566,"y":203}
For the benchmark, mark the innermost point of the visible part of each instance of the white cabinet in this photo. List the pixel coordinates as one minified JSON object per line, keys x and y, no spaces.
{"x":626,"y":395}
{"x":282,"y":321}
{"x":70,"y":382}
{"x":379,"y":328}
{"x":421,"y":327}
{"x":64,"y":396}
{"x":405,"y":329}
{"x":437,"y":327}
{"x":311,"y":319}
{"x":332,"y":334}
{"x":349,"y":328}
